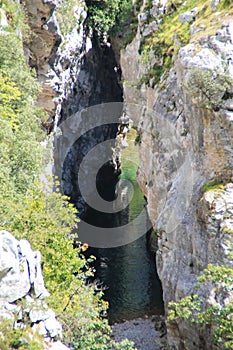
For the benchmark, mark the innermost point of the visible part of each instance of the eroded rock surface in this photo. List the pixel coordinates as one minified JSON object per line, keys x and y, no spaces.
{"x":21,"y":280}
{"x":44,"y":40}
{"x":185,"y":141}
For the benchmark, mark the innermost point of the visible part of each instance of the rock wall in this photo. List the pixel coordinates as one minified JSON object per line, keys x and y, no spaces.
{"x":184,"y":135}
{"x":184,"y":143}
{"x":40,"y":48}
{"x":87,"y":75}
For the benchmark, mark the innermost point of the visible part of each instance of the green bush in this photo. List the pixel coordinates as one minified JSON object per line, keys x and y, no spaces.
{"x":108,"y":16}
{"x":218,"y":315}
{"x":66,"y":16}
{"x":23,"y":339}
{"x":208,"y":86}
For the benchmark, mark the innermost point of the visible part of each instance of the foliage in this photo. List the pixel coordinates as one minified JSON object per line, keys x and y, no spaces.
{"x":212,"y":186}
{"x":66,"y":15}
{"x":208,"y":86}
{"x":13,"y":66}
{"x":15,"y":14}
{"x":171,"y":33}
{"x":108,"y":16}
{"x":218,"y":315}
{"x":23,"y":339}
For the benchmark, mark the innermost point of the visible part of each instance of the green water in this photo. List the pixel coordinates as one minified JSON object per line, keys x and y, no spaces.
{"x":127,"y":273}
{"x":129,"y":166}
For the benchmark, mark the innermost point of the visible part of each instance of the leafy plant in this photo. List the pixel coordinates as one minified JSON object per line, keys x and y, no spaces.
{"x":208,"y":86}
{"x":66,"y":15}
{"x":108,"y":16}
{"x":23,"y":339}
{"x":212,"y":186}
{"x":15,"y":16}
{"x":215,"y":314}
{"x":173,"y":34}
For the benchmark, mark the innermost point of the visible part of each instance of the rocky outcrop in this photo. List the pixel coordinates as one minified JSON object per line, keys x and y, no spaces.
{"x":22,"y":289}
{"x":40,"y":48}
{"x":185,"y":141}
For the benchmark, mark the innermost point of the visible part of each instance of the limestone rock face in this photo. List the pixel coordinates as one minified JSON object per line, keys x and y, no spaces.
{"x":21,"y":279}
{"x":75,"y":72}
{"x":44,"y":39}
{"x":185,"y":141}
{"x":20,"y":269}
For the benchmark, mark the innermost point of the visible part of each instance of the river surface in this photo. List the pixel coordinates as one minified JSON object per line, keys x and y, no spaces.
{"x":127,"y":273}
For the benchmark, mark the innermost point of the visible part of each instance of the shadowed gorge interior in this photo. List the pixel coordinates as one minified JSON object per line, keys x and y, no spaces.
{"x":127,"y":273}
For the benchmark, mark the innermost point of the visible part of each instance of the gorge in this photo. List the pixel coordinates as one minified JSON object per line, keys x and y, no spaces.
{"x":166,"y":71}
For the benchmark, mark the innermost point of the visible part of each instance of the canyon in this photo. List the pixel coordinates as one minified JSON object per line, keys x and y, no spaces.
{"x":184,"y":122}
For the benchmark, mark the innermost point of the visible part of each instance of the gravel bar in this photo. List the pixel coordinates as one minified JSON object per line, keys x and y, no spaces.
{"x":146,"y":333}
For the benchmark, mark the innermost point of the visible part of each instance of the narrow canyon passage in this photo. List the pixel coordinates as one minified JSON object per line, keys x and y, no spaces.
{"x":126,"y":273}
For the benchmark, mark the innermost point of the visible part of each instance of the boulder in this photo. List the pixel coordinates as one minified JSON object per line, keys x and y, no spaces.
{"x":21,"y":277}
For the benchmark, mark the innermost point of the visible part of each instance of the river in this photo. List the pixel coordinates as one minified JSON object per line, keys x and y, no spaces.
{"x":127,"y":273}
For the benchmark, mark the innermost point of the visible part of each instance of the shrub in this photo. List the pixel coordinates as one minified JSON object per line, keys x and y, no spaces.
{"x":208,"y":86}
{"x":217,"y":315}
{"x":108,"y":16}
{"x":23,"y":339}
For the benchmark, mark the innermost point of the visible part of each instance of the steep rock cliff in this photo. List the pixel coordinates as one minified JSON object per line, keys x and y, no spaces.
{"x":185,"y":140}
{"x":41,"y":47}
{"x":87,"y":78}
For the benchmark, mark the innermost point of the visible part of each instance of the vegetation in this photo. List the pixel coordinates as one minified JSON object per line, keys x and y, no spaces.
{"x":45,"y":219}
{"x":15,"y":15}
{"x":113,"y":17}
{"x":23,"y":339}
{"x":107,"y":16}
{"x":66,"y":15}
{"x":213,"y":186}
{"x":172,"y":34}
{"x":198,"y":310}
{"x":210,"y":307}
{"x":209,"y":87}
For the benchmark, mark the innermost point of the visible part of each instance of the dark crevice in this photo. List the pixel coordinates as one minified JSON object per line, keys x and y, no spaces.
{"x":127,"y":272}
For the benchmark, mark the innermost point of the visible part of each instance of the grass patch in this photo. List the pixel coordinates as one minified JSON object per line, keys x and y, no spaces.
{"x":172,"y":34}
{"x":212,"y":186}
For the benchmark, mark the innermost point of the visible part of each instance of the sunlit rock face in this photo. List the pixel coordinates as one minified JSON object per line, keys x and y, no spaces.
{"x":21,"y":280}
{"x":41,"y":46}
{"x":185,"y":141}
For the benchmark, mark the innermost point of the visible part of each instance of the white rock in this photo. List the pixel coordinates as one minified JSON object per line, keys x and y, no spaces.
{"x":3,"y":19}
{"x":15,"y":282}
{"x":39,"y":287}
{"x":39,"y":312}
{"x":58,"y":346}
{"x":52,"y":326}
{"x":188,"y":16}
